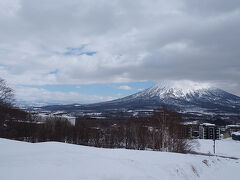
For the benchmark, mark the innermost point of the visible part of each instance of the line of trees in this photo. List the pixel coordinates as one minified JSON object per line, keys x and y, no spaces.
{"x":162,"y":132}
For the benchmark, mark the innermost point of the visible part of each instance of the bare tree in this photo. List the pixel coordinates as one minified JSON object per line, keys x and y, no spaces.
{"x":167,"y":132}
{"x":6,"y":93}
{"x":6,"y":97}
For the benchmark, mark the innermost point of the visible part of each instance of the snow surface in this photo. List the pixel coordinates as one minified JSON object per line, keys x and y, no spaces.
{"x":208,"y":124}
{"x":224,"y":147}
{"x":53,"y":160}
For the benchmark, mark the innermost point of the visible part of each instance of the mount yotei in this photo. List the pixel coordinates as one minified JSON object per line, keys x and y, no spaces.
{"x":184,"y":98}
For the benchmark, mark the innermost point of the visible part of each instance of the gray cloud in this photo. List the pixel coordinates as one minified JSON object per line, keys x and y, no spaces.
{"x":133,"y":41}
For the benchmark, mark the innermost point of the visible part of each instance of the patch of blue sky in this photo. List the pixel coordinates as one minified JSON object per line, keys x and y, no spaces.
{"x":53,"y":72}
{"x":80,"y":48}
{"x":70,"y":51}
{"x":107,"y":89}
{"x":88,"y":53}
{"x":3,"y":65}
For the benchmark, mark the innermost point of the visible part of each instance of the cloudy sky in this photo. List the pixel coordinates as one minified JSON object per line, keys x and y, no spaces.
{"x":96,"y":50}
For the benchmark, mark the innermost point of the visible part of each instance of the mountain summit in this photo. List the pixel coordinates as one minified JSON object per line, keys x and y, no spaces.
{"x":174,"y":89}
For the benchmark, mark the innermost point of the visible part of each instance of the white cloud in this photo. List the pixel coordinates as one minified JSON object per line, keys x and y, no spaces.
{"x":40,"y":95}
{"x":125,"y":87}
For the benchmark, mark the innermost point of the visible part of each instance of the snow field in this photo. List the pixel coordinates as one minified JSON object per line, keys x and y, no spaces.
{"x":53,"y":160}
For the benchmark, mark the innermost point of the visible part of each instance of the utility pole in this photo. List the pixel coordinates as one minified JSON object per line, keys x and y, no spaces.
{"x":214,"y":141}
{"x":163,"y":130}
{"x":214,"y":145}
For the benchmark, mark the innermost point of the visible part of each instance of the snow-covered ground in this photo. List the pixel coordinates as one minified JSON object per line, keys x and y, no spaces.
{"x":57,"y":161}
{"x":224,"y":147}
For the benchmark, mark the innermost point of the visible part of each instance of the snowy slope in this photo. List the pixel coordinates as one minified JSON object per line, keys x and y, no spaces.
{"x":52,"y":160}
{"x":224,"y":147}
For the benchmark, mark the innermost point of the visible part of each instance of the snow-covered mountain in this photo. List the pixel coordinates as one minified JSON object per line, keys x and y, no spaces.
{"x":194,"y":97}
{"x":182,"y":97}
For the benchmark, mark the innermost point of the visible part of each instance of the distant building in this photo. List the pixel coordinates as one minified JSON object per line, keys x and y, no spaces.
{"x":190,"y":129}
{"x":209,"y":131}
{"x":43,"y":117}
{"x":236,"y":136}
{"x":72,"y":120}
